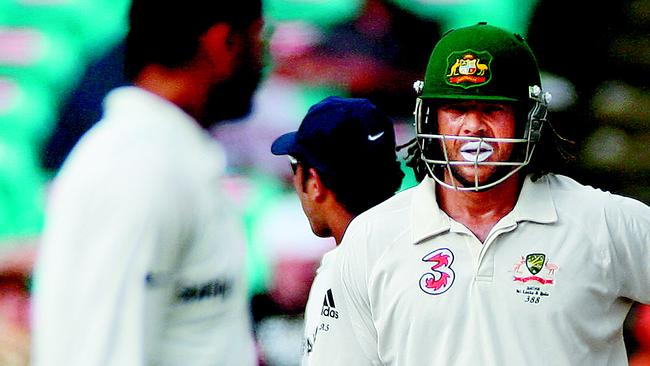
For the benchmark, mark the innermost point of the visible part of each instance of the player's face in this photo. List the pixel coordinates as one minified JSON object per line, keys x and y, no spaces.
{"x":476,"y":119}
{"x":232,"y":98}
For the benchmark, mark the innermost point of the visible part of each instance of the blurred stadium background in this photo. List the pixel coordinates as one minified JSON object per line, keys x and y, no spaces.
{"x":59,"y":57}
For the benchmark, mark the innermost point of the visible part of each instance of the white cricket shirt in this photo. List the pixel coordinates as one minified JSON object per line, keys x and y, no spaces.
{"x":329,"y":338}
{"x":142,"y":258}
{"x":551,"y":285}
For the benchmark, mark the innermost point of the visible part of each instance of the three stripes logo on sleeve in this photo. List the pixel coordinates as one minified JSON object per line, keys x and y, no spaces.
{"x":329,"y":308}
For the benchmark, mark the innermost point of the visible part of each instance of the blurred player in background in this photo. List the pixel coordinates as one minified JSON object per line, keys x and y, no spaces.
{"x":340,"y":143}
{"x":491,"y":259}
{"x":142,"y":259}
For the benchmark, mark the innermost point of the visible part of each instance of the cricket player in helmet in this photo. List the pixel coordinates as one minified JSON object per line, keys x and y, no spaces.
{"x":491,"y":260}
{"x":490,"y":65}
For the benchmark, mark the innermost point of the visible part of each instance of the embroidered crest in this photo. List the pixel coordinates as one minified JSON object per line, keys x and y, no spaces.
{"x":468,"y":68}
{"x":534,"y":279}
{"x":541,"y":270}
{"x":441,"y":277}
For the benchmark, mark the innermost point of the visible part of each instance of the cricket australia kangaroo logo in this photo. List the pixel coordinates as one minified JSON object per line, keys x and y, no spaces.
{"x":441,"y":277}
{"x":469,"y":68}
{"x":540,"y":269}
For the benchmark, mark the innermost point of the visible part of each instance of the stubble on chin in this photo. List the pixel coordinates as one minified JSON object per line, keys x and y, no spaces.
{"x":465,"y":179}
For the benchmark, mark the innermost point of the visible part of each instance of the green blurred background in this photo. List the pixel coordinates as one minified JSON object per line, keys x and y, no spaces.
{"x":58,"y":58}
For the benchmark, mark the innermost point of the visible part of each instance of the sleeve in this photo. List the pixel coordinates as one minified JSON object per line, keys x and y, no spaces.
{"x":628,"y":222}
{"x":329,"y":338}
{"x":354,"y":271}
{"x":102,"y":281}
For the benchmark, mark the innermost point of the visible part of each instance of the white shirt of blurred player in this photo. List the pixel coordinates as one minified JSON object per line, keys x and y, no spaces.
{"x":142,"y":257}
{"x":329,"y":338}
{"x":551,"y":285}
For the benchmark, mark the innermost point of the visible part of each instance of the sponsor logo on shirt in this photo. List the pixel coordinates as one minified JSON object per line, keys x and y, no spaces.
{"x":441,"y":276}
{"x":329,"y":306}
{"x":329,"y":311}
{"x":216,"y":288}
{"x":534,"y":274}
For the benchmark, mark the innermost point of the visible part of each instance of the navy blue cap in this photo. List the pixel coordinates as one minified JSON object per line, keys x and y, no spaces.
{"x":341,"y":136}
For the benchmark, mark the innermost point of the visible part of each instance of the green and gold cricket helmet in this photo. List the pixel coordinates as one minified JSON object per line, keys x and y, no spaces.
{"x":485,"y":63}
{"x":481,"y":62}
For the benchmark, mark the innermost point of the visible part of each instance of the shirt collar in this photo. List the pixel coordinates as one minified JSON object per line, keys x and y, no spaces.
{"x":427,"y":218}
{"x":143,"y":106}
{"x":534,"y":204}
{"x":143,"y":109}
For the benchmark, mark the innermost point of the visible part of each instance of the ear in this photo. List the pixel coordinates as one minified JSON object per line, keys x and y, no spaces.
{"x":220,"y":45}
{"x":315,"y":187}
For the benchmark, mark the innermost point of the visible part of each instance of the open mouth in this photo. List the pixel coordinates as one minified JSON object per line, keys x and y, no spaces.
{"x":476,"y":151}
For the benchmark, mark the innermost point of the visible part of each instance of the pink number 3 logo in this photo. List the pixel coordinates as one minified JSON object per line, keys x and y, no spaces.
{"x":442,"y":276}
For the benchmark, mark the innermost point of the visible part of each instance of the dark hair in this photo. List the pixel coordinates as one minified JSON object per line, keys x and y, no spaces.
{"x":352,"y":189}
{"x":167,"y":32}
{"x":552,"y":153}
